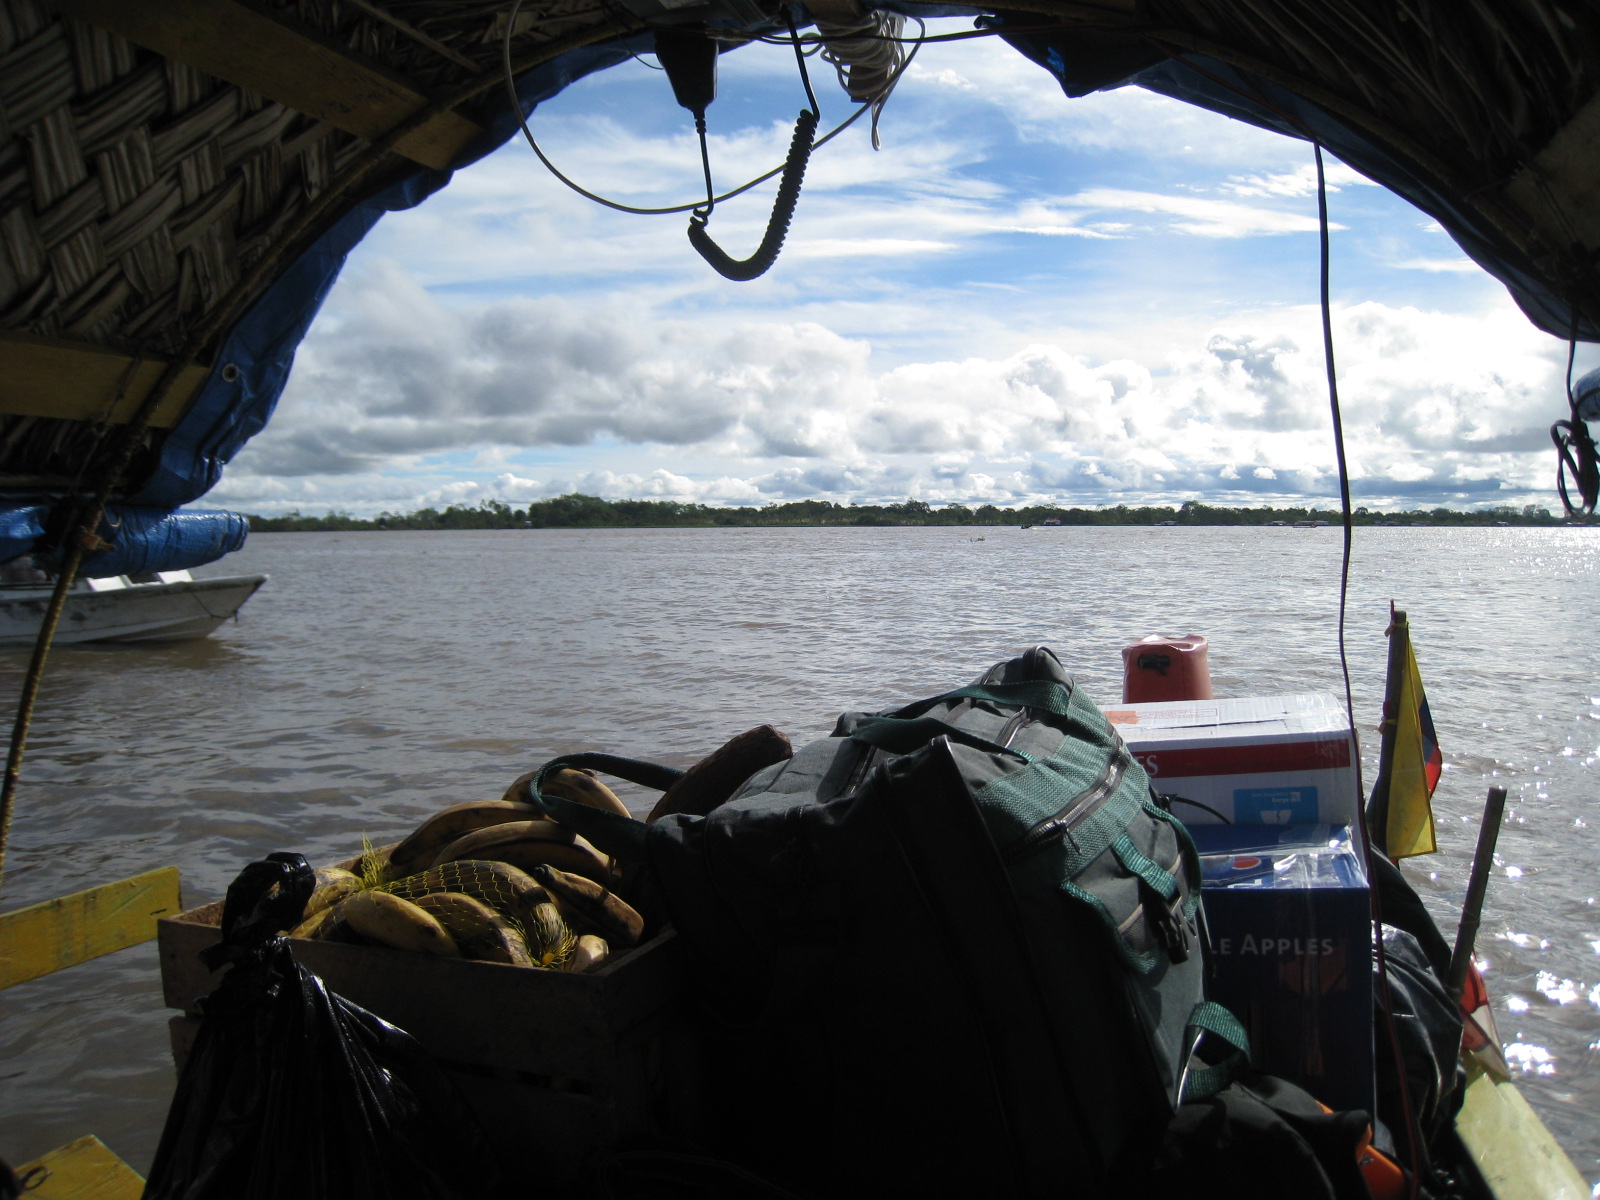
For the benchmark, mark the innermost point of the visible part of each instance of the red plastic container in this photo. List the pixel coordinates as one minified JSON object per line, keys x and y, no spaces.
{"x":1163,"y":667}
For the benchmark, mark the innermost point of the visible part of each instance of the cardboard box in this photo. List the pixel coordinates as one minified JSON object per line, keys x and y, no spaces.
{"x":1279,"y":760}
{"x":554,"y":1065}
{"x":1291,"y":941}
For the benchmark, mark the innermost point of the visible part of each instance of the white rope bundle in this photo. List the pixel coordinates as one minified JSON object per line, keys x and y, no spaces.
{"x":867,"y":55}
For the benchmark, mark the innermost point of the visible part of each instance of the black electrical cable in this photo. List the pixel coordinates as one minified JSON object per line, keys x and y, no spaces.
{"x":1416,"y":1153}
{"x":690,"y":206}
{"x":1338,"y":436}
{"x":794,"y":172}
{"x":1576,"y":455}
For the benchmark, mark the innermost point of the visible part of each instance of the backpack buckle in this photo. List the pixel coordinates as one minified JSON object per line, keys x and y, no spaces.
{"x":1167,"y":919}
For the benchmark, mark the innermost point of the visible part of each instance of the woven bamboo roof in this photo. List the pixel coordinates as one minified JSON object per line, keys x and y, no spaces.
{"x":163,"y":161}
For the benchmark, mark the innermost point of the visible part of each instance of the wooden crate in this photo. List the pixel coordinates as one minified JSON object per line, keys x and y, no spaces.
{"x":572,"y":1064}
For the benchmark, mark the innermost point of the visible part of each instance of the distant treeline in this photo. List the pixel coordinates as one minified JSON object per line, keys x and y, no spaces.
{"x":591,"y":512}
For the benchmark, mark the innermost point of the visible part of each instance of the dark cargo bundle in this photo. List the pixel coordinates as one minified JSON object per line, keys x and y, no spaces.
{"x":953,"y":948}
{"x":292,"y":1090}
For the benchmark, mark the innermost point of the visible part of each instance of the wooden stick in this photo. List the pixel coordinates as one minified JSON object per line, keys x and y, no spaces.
{"x":1482,"y":863}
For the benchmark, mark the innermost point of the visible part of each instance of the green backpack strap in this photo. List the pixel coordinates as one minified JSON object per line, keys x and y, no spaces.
{"x":1203,"y":1082}
{"x":902,"y":735}
{"x":617,"y":835}
{"x":907,"y":729}
{"x":1047,"y":695}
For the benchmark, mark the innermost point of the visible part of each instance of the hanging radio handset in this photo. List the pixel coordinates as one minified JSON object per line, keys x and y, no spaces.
{"x":689,"y":57}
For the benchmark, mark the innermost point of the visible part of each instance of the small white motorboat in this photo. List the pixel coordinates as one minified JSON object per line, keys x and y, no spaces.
{"x":161,"y":606}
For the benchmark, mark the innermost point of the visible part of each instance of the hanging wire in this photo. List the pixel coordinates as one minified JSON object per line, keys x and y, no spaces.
{"x":800,"y":61}
{"x":794,"y":170}
{"x":1414,"y":1148}
{"x":1338,"y":443}
{"x":1576,"y":455}
{"x":516,"y":107}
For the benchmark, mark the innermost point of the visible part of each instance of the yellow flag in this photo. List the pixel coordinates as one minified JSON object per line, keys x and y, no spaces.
{"x":1415,"y":770}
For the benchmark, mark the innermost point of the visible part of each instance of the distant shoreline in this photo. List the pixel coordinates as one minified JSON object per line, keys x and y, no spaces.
{"x":591,"y":512}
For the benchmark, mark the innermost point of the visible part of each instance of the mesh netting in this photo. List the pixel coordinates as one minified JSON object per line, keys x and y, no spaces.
{"x":523,"y":904}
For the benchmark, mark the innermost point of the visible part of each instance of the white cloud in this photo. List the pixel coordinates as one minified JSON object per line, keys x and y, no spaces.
{"x":1196,"y":215}
{"x":1462,"y":266}
{"x":1022,"y":297}
{"x":1302,"y":181}
{"x":394,"y":386}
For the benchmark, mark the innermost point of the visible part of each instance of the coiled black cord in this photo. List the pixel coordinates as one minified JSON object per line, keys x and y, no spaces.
{"x":794,"y":171}
{"x":1580,"y":460}
{"x":1577,"y":456}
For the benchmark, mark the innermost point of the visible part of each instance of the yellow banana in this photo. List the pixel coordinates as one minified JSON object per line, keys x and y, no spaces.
{"x":588,"y":954}
{"x":527,"y":844}
{"x":570,"y":784}
{"x":550,"y":941}
{"x":591,"y":906}
{"x":391,"y":921}
{"x":505,"y":888}
{"x":333,"y":885}
{"x":451,"y":824}
{"x":318,"y":925}
{"x":478,"y":929}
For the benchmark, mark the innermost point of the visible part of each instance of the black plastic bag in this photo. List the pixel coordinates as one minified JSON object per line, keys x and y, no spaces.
{"x":292,"y":1091}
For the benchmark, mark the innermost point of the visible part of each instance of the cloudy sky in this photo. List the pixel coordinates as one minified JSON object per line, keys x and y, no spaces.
{"x":1019,"y":298}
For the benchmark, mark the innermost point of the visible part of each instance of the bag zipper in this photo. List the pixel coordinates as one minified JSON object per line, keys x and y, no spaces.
{"x":858,"y":776}
{"x":1013,"y":727}
{"x":1080,"y":808}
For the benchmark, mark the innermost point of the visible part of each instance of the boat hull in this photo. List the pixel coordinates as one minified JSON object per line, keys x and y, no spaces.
{"x":151,"y":612}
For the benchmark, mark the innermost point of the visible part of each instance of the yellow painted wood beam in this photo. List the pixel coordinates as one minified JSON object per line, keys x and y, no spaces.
{"x":81,"y":1170}
{"x":1517,"y":1155}
{"x":293,"y":65}
{"x":72,"y":929}
{"x":78,"y":381}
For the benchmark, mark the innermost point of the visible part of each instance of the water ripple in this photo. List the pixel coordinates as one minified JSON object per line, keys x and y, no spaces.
{"x":380,"y":676}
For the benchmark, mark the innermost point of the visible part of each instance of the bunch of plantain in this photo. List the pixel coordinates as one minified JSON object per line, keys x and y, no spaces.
{"x":494,"y":880}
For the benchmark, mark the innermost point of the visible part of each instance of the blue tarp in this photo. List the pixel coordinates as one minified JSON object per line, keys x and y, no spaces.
{"x":21,"y":525}
{"x":141,"y":539}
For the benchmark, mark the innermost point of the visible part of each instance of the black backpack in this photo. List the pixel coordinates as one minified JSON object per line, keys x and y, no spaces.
{"x":952,"y":949}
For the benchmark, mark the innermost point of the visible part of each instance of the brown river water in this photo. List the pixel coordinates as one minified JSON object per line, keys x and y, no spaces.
{"x":379,"y":676}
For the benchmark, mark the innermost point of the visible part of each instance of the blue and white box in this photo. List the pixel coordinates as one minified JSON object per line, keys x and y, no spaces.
{"x":1291,"y":938}
{"x":1271,"y":760}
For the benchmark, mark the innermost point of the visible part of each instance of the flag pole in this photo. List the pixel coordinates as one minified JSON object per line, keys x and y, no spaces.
{"x":1399,"y":635}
